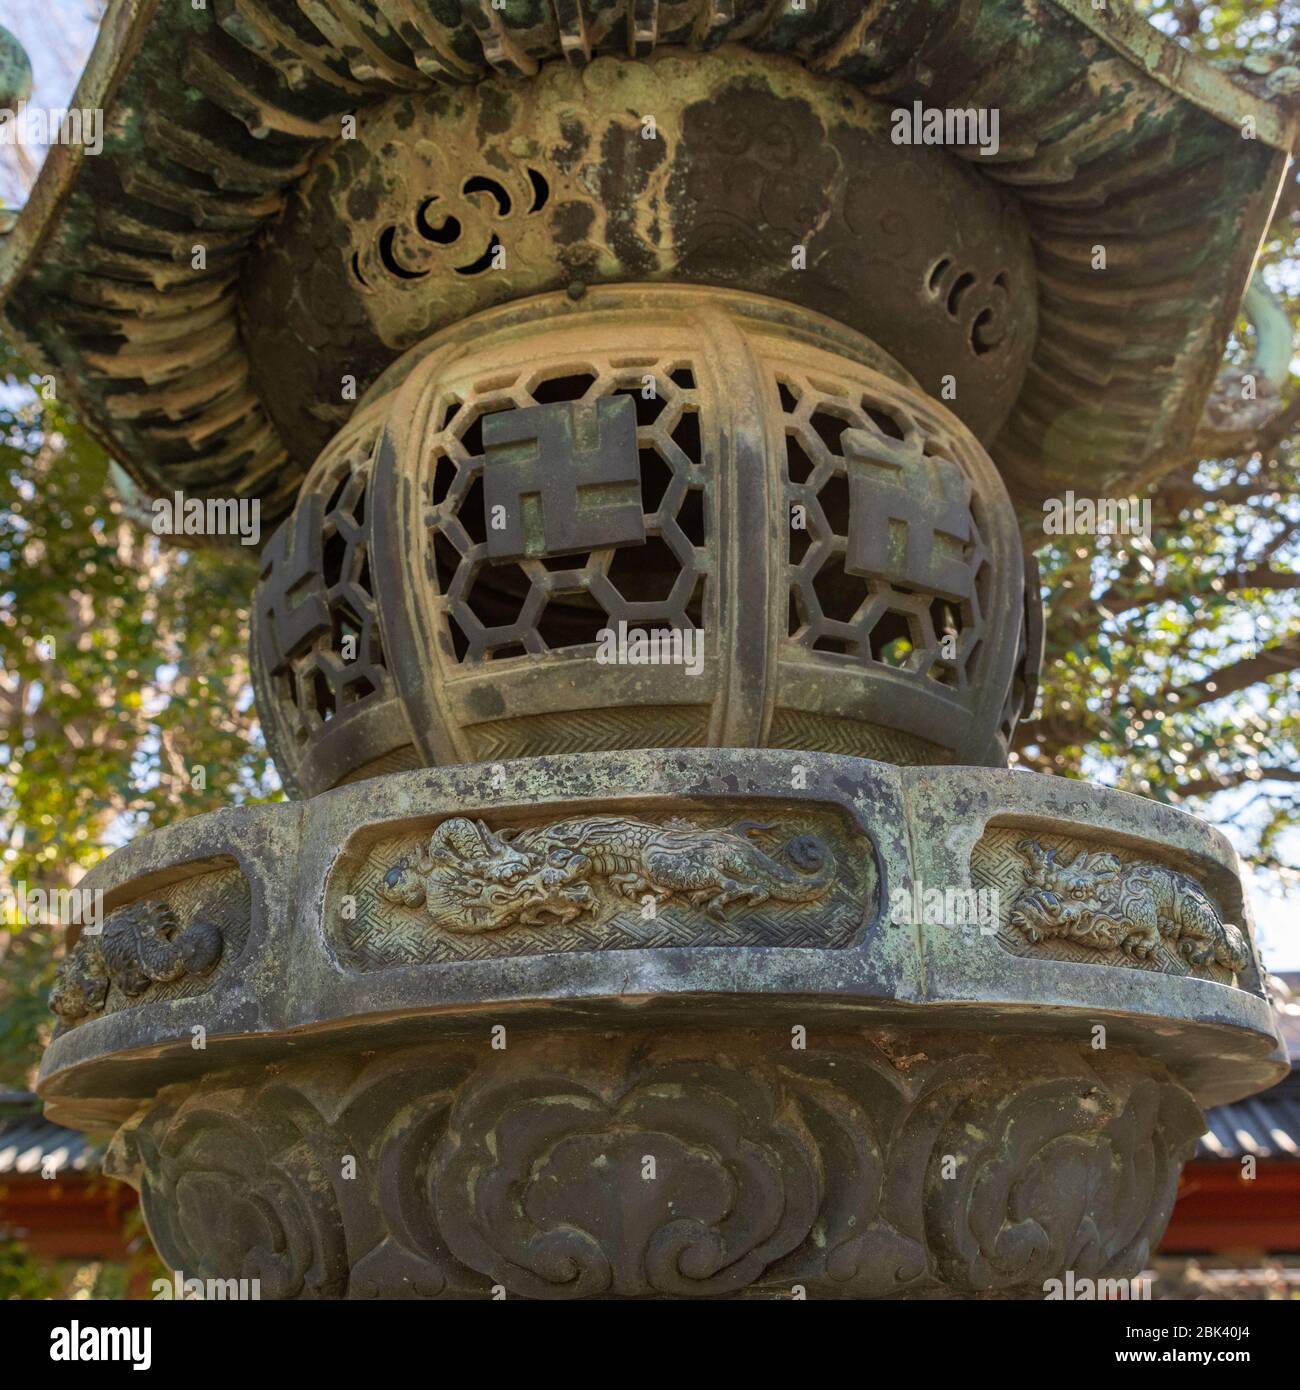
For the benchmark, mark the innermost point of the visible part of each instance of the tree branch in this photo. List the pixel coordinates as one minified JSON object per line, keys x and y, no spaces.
{"x":1237,"y":675}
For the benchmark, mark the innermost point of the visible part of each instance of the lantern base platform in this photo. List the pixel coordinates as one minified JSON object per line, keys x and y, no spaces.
{"x":644,"y":1164}
{"x":657,"y":1024}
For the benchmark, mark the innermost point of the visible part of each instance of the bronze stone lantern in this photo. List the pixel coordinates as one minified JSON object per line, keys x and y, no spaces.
{"x":536,"y":324}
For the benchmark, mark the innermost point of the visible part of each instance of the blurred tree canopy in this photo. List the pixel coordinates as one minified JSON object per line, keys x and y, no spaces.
{"x":124,"y":687}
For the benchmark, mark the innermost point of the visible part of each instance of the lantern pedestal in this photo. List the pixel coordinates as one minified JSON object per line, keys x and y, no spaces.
{"x":664,"y":1024}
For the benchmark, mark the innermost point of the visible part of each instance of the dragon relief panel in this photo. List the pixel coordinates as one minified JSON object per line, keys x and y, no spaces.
{"x":1064,"y":900}
{"x":466,"y":889}
{"x":166,"y":945}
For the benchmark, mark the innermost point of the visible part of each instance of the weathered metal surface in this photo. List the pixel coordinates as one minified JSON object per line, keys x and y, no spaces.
{"x":757,"y":178}
{"x":839,"y":549}
{"x":277,"y":987}
{"x":1110,"y":135}
{"x":645,"y":1024}
{"x":723,"y":1164}
{"x":342,"y":955}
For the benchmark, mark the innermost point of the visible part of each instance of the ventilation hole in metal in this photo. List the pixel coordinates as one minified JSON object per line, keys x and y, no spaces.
{"x":481,"y":184}
{"x":484,"y":262}
{"x":834,"y":498}
{"x":798,"y":466}
{"x":943,"y":675}
{"x":883,"y":421}
{"x":337,"y":493}
{"x":444,"y":233}
{"x":789,"y":401}
{"x":574,"y":621}
{"x":562,"y":564}
{"x":837,"y":645}
{"x":322,"y":696}
{"x":356,"y":270}
{"x":390,"y":261}
{"x":984,"y":336}
{"x":508,"y":650}
{"x":459,"y":642}
{"x":448,"y":415}
{"x":496,"y":595}
{"x":648,"y":408}
{"x":946,"y":618}
{"x":345,"y":624}
{"x":444,"y":474}
{"x":800,"y":540}
{"x":959,"y":287}
{"x":683,"y":378}
{"x":471,"y":438}
{"x":937,"y":272}
{"x":655,"y":479}
{"x":541,"y":189}
{"x":445,"y":560}
{"x":691,"y":516}
{"x":563,"y":388}
{"x":839,"y":595}
{"x":645,"y":573}
{"x":891,"y":639}
{"x":333,"y":554}
{"x":829,"y":429}
{"x":686,"y":435}
{"x":470,"y":512}
{"x":695,"y":604}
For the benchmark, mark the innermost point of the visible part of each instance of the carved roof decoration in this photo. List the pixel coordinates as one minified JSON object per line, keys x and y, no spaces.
{"x":1110,"y":134}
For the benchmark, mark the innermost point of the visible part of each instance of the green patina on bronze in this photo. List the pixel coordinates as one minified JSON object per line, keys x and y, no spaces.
{"x":697,"y":898}
{"x":748,"y":162}
{"x":1108,"y":132}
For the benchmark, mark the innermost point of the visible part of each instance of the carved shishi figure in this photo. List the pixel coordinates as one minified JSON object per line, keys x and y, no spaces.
{"x":1100,"y":902}
{"x":141,"y":945}
{"x":472,"y":879}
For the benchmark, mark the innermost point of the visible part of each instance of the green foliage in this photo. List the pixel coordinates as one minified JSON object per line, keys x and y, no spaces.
{"x":23,"y":1276}
{"x":1171,"y":663}
{"x":124,"y":683}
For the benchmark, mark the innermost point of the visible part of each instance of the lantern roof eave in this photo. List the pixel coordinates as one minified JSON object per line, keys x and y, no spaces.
{"x":1111,"y":135}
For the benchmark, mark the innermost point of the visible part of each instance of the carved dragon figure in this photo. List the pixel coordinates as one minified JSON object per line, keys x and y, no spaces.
{"x":141,"y":945}
{"x":472,"y":879}
{"x":1100,"y":902}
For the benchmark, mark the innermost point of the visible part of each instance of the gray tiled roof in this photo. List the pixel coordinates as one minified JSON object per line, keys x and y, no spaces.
{"x":31,"y":1145}
{"x":1265,"y":1126}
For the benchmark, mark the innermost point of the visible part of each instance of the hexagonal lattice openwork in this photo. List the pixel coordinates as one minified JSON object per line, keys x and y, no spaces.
{"x":318,"y":651}
{"x":832,"y":552}
{"x":888,"y":565}
{"x":566,"y":593}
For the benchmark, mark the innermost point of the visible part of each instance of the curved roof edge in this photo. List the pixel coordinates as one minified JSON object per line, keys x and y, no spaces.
{"x":1111,"y":132}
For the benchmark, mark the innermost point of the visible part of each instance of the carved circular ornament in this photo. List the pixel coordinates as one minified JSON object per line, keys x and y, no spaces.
{"x":727,"y":168}
{"x":650,"y":517}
